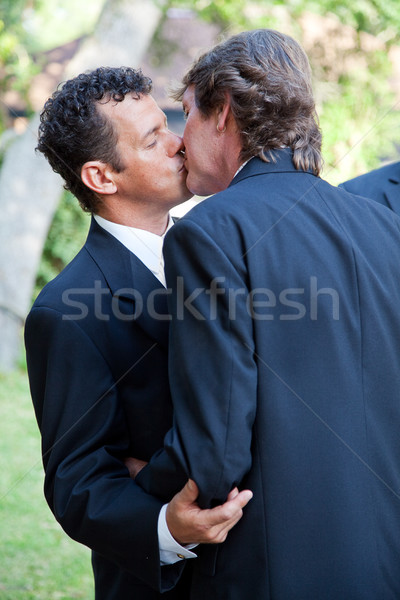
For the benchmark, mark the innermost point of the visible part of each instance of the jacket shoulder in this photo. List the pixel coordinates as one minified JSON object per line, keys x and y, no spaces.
{"x":369,"y":184}
{"x":75,"y":274}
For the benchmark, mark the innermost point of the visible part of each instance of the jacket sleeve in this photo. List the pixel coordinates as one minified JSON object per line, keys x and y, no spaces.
{"x":84,"y":437}
{"x":213,"y":372}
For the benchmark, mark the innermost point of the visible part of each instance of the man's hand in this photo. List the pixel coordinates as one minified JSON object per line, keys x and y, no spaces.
{"x":134,"y":465}
{"x":189,"y":524}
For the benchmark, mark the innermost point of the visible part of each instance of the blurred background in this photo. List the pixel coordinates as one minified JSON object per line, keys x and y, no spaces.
{"x":354,"y":50}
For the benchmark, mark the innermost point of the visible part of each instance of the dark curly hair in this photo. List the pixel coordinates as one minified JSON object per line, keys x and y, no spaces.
{"x":268,"y":77}
{"x":72,"y":131}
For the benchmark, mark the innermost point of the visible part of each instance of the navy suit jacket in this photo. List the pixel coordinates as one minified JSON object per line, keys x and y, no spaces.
{"x":97,"y":364}
{"x":286,"y":331}
{"x":381,"y":185}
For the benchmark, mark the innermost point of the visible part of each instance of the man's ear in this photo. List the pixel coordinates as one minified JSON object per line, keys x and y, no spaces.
{"x":223,"y":112}
{"x":98,"y":176}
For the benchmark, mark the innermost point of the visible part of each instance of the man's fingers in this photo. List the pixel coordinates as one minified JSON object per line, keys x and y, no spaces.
{"x":230,"y":512}
{"x":188,"y":493}
{"x":222,"y":533}
{"x":233,"y":493}
{"x":188,"y":523}
{"x":227,"y":515}
{"x":134,"y":465}
{"x":243,"y":498}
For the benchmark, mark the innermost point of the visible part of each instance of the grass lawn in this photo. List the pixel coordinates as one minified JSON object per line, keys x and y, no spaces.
{"x":37,"y":559}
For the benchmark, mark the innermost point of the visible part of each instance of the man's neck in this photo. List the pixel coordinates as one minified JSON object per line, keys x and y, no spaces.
{"x":155,"y":223}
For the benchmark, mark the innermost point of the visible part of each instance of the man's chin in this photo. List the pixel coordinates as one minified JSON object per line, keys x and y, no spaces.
{"x":200,"y":188}
{"x":196,"y":189}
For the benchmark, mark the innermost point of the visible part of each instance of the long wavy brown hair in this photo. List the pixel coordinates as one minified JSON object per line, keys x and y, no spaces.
{"x":268,"y":78}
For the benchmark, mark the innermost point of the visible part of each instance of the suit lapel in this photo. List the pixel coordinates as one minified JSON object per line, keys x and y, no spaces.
{"x":154,"y":316}
{"x":131,"y":281}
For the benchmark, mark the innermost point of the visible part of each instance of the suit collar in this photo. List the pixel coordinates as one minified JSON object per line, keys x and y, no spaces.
{"x":391,"y":188}
{"x":129,"y":279}
{"x":283,"y":164}
{"x":394,"y":176}
{"x":112,"y":258}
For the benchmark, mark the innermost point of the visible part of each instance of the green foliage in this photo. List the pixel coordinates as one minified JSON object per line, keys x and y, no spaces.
{"x":37,"y":560}
{"x":16,"y":65}
{"x":358,"y":121}
{"x":56,"y":22}
{"x":31,"y":26}
{"x":221,"y":12}
{"x":356,"y":106}
{"x":379,"y":17}
{"x":66,"y":236}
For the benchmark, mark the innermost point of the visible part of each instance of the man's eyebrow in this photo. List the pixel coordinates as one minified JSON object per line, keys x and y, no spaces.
{"x":154,"y":129}
{"x":150,"y":132}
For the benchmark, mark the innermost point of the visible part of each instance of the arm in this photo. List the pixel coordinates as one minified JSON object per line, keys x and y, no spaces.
{"x":87,"y":485}
{"x":84,"y":433}
{"x":187,"y":523}
{"x":213,"y":373}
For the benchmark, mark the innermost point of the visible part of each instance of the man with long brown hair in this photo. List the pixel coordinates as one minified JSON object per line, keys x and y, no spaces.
{"x":284,"y":343}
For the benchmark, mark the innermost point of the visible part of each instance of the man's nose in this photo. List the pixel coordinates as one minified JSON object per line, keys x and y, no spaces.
{"x":176,"y":144}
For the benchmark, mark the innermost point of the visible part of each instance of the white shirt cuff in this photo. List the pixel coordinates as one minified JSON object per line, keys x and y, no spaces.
{"x":170,"y":551}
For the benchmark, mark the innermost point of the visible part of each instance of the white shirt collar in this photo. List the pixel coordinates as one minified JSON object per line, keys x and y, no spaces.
{"x":145,"y":245}
{"x":241,"y":167}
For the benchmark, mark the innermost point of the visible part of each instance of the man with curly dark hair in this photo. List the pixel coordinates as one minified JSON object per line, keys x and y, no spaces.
{"x":291,"y":289}
{"x":96,"y":340}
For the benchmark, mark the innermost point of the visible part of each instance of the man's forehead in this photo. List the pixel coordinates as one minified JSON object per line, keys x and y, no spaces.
{"x":189,"y":95}
{"x":109,"y":104}
{"x":132,"y":108}
{"x":135,"y":117}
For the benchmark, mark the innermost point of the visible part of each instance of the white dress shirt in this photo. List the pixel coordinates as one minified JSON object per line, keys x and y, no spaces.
{"x":147,"y":247}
